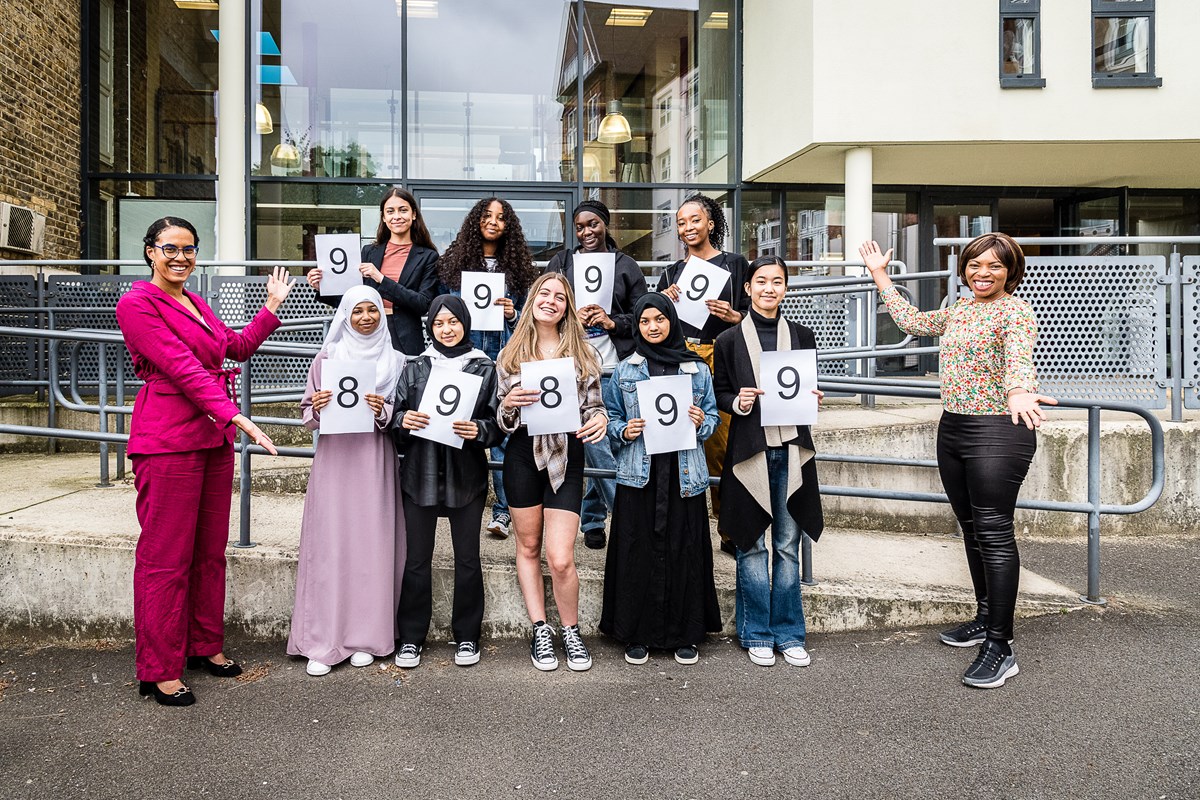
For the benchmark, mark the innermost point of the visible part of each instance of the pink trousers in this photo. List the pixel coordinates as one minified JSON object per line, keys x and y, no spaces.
{"x":179,"y":572}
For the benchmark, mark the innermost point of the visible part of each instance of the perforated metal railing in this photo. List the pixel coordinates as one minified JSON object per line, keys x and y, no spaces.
{"x":1190,"y":290}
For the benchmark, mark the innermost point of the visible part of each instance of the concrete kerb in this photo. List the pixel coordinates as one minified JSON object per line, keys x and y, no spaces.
{"x":68,"y":548}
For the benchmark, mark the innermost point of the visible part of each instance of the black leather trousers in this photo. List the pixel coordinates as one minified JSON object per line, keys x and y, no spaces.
{"x":983,"y":461}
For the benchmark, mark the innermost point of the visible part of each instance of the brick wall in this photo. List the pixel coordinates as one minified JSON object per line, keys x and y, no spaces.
{"x":39,"y":117}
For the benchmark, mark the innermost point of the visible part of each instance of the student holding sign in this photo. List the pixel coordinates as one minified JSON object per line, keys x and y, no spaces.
{"x":543,"y":474}
{"x":491,"y":240}
{"x":441,"y":480}
{"x":401,"y":264}
{"x":987,"y":436}
{"x":610,"y":329}
{"x":701,"y":226}
{"x":770,"y":476}
{"x":658,"y":576}
{"x":181,"y":445}
{"x":352,"y":533}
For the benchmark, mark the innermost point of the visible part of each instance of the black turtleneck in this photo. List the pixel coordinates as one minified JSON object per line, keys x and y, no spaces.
{"x":768,"y":331}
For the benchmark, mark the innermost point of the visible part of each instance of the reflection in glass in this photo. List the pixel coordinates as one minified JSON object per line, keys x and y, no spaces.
{"x":815,"y":226}
{"x":486,"y":88}
{"x":330,"y":83}
{"x":1018,"y":56}
{"x":762,"y":230}
{"x":643,"y":221}
{"x":153,"y":100}
{"x":542,"y":220}
{"x":120,"y":211}
{"x":670,"y":68}
{"x":287,"y":216}
{"x":1122,"y":45}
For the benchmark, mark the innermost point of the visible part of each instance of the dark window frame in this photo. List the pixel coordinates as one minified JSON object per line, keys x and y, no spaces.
{"x":1110,"y":9}
{"x":1022,"y":9}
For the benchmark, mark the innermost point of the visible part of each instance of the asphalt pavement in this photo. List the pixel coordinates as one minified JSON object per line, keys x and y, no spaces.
{"x":1107,"y":705}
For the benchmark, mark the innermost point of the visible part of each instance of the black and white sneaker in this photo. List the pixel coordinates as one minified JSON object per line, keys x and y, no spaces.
{"x":578,"y":657}
{"x":636,"y":654}
{"x":408,"y":656}
{"x":466,"y":654}
{"x":541,"y":647}
{"x":968,"y":634}
{"x":688,"y":654}
{"x":498,"y":527}
{"x":992,"y":667}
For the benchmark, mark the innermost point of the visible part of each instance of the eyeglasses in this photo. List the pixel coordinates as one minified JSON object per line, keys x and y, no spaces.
{"x":170,"y":250}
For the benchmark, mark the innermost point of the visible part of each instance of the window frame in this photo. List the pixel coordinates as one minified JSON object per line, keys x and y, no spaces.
{"x":1117,"y":9}
{"x":1021,"y":9}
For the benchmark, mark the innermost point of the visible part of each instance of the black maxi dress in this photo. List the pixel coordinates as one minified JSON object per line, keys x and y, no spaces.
{"x":658,"y":574}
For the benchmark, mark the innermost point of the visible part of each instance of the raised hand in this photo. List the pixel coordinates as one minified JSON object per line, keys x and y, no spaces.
{"x":279,"y":285}
{"x":873,"y":257}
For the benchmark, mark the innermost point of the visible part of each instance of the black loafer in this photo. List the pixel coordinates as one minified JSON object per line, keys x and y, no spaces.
{"x":180,"y":697}
{"x":230,"y":669}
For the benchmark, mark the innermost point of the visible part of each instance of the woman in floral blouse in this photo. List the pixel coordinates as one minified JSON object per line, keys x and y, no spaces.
{"x":986,"y":437}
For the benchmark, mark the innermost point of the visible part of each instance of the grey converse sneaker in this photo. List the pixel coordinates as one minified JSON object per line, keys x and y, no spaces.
{"x":578,"y":657}
{"x":541,"y":647}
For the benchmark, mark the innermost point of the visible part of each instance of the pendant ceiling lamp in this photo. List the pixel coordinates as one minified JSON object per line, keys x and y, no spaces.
{"x":614,"y":128}
{"x":262,"y":119}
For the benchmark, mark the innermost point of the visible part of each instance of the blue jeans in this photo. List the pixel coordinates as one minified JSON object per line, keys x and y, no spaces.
{"x":601,"y":492}
{"x":501,"y":504}
{"x":770,"y":612}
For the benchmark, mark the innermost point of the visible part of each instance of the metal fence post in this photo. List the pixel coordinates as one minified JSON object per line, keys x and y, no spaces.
{"x":244,"y":464}
{"x":103,"y":400}
{"x":121,"y":417}
{"x":806,"y":570}
{"x":1093,"y":582}
{"x":1174,"y":323}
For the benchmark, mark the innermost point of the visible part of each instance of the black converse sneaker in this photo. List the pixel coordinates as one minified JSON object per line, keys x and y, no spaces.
{"x":466,"y":654}
{"x":992,"y":667}
{"x":966,"y":635}
{"x":541,"y":648}
{"x":578,"y":657}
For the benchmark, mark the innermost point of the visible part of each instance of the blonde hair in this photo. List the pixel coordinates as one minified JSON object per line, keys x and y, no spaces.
{"x":522,"y":346}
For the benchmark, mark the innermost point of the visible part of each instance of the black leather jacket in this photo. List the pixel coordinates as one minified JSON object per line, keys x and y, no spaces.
{"x":435,"y":474}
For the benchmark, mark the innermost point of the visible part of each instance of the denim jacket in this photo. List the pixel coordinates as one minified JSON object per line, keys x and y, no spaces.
{"x":633,"y":463}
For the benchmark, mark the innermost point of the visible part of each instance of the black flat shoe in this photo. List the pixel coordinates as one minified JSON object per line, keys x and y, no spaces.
{"x":230,"y":669}
{"x":180,"y":697}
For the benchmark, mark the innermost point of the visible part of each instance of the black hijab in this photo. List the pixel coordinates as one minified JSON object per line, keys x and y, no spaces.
{"x":673,"y":351}
{"x":455,"y":305}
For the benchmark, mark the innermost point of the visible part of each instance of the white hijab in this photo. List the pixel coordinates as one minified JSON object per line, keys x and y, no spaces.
{"x":346,"y":344}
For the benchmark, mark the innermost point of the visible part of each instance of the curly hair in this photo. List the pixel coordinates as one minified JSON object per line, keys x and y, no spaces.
{"x":418,"y":231}
{"x":465,"y":253}
{"x":716,"y":236}
{"x":522,"y":347}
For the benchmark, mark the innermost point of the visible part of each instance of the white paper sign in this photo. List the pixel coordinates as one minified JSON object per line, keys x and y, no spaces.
{"x":593,"y":275}
{"x":557,"y":408}
{"x":338,"y":258}
{"x":449,"y":397}
{"x":663,"y":402}
{"x":699,"y":281}
{"x":348,"y":411}
{"x":480,"y":291}
{"x":788,"y":379}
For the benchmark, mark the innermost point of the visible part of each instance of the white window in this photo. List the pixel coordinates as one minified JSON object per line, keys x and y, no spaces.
{"x":664,"y":166}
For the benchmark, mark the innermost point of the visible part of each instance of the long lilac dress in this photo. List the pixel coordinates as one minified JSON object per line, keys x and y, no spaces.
{"x":352,"y":543}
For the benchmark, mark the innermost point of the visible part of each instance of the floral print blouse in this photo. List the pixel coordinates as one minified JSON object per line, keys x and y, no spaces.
{"x":986,"y":349}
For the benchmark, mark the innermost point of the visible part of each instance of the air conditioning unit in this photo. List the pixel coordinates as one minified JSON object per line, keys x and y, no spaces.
{"x":22,"y":229}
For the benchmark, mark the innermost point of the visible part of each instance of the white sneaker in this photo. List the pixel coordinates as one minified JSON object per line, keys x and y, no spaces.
{"x":797,"y":656}
{"x":466,"y":654}
{"x":316,"y":668}
{"x":498,"y":527}
{"x":361,"y":659}
{"x":763,"y":656}
{"x":408,"y":656}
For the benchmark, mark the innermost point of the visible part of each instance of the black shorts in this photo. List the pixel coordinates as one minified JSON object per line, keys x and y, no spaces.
{"x":526,"y":486}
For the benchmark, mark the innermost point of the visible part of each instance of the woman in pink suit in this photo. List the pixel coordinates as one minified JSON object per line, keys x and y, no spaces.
{"x":181,"y":446}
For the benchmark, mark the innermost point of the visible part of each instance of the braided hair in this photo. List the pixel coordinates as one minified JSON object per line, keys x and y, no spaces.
{"x":465,"y":253}
{"x":716,"y":236}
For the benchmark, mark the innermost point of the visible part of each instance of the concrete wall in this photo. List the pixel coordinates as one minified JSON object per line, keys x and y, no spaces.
{"x":39,"y":118}
{"x":828,"y":74}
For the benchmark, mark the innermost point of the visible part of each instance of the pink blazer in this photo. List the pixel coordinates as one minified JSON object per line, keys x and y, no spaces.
{"x":185,"y":403}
